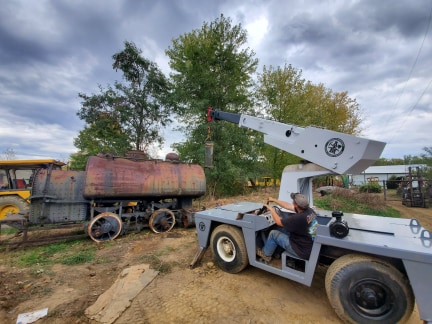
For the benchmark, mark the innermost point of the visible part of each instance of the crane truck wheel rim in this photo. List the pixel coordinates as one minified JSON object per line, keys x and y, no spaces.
{"x":226,"y":249}
{"x":229,"y":249}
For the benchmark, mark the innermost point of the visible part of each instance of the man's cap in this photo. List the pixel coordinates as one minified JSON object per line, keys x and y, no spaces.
{"x":301,"y":200}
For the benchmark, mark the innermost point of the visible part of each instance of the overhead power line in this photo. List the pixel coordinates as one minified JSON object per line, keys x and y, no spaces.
{"x":411,"y":72}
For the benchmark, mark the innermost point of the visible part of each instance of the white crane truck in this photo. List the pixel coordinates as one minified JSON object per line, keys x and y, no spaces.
{"x":378,"y":267}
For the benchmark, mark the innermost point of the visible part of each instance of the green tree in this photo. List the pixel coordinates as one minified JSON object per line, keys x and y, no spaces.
{"x":427,"y":159}
{"x":428,"y":155}
{"x":290,"y":99}
{"x":128,"y":114}
{"x":278,"y":91}
{"x":102,"y":136}
{"x":393,"y":161}
{"x":212,"y":67}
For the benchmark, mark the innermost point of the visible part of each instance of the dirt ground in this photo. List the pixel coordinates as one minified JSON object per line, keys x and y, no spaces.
{"x":177,"y":294}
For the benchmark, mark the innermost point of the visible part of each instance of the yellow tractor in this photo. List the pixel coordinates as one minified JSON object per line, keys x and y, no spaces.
{"x":16,"y":178}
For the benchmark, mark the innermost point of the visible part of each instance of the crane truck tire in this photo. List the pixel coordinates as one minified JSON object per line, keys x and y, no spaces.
{"x":12,"y":205}
{"x":229,"y":248}
{"x":364,"y":289}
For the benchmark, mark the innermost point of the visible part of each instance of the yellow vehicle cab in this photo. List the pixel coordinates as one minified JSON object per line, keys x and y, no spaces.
{"x":16,"y":178}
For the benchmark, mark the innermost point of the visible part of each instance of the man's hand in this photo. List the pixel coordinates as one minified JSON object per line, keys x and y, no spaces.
{"x":275,"y":215}
{"x":262,"y":210}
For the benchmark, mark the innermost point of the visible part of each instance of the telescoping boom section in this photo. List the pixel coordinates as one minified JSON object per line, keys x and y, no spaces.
{"x":337,"y":152}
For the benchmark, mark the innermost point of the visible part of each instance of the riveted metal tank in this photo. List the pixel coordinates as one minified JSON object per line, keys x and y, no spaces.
{"x":57,"y":197}
{"x":117,"y":177}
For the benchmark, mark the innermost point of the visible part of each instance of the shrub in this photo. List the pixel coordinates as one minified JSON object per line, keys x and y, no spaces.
{"x":371,"y":187}
{"x":351,"y":201}
{"x":392,"y":182}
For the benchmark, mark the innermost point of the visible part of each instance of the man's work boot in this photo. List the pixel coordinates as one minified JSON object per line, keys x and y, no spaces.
{"x":261,"y":254}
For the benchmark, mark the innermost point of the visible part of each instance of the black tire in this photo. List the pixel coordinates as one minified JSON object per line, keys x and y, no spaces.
{"x":12,"y":205}
{"x":229,"y":249}
{"x":364,"y":289}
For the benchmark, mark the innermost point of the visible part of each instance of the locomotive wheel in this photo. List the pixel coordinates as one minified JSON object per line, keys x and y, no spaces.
{"x":12,"y":205}
{"x":363,"y":289}
{"x":104,"y":227}
{"x":162,"y":220}
{"x":229,"y":248}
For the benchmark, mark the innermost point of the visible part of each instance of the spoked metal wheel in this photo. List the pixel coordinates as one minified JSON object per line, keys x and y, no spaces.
{"x":162,"y":220}
{"x":104,"y":227}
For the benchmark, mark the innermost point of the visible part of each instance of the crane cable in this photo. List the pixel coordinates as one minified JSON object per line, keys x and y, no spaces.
{"x":208,"y":151}
{"x":416,"y":59}
{"x":208,"y":138}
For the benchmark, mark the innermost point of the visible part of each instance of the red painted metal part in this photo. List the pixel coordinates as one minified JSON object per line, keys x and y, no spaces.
{"x":115,"y":178}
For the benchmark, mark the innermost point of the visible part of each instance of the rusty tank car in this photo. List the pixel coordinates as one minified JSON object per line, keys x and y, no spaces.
{"x":115,"y":195}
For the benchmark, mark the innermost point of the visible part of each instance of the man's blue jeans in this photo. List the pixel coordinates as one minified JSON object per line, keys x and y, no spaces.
{"x":277,"y":237}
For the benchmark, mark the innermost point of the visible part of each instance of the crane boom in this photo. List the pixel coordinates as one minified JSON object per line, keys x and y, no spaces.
{"x":337,"y":152}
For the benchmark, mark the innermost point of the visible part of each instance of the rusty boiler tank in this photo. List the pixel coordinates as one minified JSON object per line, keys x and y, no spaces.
{"x":116,"y":195}
{"x":114,"y":178}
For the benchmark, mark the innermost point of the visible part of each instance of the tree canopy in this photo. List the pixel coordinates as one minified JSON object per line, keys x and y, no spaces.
{"x":286,"y":97}
{"x":128,"y":115}
{"x":212,"y":67}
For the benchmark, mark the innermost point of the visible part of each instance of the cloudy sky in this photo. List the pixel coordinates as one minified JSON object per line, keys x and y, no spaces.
{"x":51,"y":50}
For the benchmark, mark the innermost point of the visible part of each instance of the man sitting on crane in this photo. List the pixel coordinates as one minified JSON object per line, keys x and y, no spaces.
{"x":296,"y":230}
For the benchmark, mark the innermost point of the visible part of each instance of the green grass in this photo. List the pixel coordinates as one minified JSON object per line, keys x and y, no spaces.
{"x":358,"y":203}
{"x":8,"y":231}
{"x":392,"y":193}
{"x":78,"y":257}
{"x":156,"y":262}
{"x":42,"y":255}
{"x":69,"y":253}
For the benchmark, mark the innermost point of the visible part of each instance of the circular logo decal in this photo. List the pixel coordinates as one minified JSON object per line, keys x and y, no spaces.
{"x":202,"y":226}
{"x":334,"y":147}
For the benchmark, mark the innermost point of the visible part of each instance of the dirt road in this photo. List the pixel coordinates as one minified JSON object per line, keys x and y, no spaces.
{"x":423,"y":215}
{"x":178,"y":294}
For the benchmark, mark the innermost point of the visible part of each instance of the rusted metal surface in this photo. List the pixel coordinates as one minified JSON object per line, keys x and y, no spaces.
{"x":136,"y":155}
{"x":187,"y":217}
{"x":114,"y":178}
{"x":57,"y":196}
